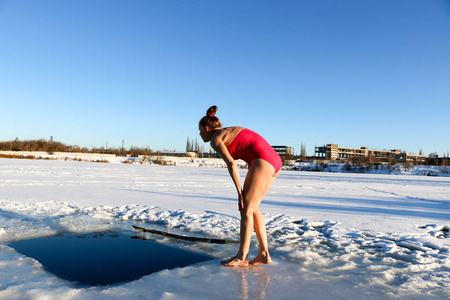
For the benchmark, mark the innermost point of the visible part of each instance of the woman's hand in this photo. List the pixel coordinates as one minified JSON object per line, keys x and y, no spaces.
{"x":240,"y":202}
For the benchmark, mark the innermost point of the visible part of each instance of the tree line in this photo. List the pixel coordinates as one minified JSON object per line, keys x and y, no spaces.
{"x":192,"y":146}
{"x":54,"y":146}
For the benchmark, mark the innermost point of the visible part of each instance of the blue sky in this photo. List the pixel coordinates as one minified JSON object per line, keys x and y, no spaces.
{"x":356,"y":73}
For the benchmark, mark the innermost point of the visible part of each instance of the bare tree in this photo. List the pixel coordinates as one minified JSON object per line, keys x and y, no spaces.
{"x":188,"y":145}
{"x":303,"y":150}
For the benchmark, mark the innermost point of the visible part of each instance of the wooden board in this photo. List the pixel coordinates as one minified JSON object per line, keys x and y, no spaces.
{"x":186,"y":238}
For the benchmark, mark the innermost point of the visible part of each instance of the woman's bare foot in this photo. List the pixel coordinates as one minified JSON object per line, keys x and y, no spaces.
{"x":261,"y":260}
{"x":235,"y":262}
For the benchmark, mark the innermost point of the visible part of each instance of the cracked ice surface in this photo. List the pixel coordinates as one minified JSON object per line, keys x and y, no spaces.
{"x":330,"y":234}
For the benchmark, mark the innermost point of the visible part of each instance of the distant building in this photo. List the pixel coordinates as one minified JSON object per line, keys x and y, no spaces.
{"x":437,"y":160}
{"x":284,"y":150}
{"x":334,"y":152}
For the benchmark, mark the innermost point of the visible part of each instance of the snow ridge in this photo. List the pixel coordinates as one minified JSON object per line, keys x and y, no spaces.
{"x":391,"y":261}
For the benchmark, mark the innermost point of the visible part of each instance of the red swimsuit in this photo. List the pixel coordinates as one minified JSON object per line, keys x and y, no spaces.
{"x":248,"y":145}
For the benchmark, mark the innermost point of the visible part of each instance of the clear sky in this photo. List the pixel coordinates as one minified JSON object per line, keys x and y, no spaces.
{"x":351,"y":72}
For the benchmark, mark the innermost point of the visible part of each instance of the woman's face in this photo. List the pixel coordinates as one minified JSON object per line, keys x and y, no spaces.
{"x":204,"y":133}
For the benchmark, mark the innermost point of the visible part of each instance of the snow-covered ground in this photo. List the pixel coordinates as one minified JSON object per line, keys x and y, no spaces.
{"x":331,"y":235}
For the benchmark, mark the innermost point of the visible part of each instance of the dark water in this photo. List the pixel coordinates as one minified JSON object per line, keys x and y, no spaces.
{"x":104,"y":258}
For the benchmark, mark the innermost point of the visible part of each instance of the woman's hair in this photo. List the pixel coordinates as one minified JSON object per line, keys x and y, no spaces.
{"x":210,"y":119}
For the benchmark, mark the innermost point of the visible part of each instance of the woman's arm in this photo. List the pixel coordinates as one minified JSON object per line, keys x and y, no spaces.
{"x":218,"y":145}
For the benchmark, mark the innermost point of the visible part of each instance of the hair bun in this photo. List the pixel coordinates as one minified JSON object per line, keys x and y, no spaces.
{"x":211,"y":112}
{"x":210,"y":120}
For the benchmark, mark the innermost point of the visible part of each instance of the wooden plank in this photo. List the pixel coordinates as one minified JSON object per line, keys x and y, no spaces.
{"x":186,"y":238}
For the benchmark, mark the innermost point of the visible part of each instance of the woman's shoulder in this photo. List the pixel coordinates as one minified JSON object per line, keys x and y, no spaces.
{"x":229,"y":133}
{"x":233,"y":129}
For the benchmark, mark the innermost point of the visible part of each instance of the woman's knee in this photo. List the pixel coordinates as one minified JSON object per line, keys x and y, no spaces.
{"x":249,"y":210}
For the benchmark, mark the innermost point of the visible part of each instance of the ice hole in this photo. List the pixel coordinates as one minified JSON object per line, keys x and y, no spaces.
{"x":94,"y":259}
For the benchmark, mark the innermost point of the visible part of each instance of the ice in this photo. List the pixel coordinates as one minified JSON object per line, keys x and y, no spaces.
{"x":331,"y":235}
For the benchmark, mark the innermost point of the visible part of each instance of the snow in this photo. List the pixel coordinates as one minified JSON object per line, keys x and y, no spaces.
{"x":331,"y":234}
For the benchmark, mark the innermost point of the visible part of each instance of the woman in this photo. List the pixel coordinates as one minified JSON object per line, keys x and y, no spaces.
{"x":264,"y":166}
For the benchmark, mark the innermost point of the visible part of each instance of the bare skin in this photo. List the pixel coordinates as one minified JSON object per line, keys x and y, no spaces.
{"x":258,"y":181}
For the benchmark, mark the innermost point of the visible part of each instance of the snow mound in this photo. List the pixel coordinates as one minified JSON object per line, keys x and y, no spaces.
{"x":396,"y":262}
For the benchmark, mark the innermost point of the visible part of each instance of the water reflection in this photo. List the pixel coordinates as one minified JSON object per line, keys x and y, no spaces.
{"x":246,"y":284}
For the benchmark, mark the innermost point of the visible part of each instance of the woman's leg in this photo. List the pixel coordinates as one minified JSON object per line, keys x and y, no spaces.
{"x":257,"y":183}
{"x":260,"y":229}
